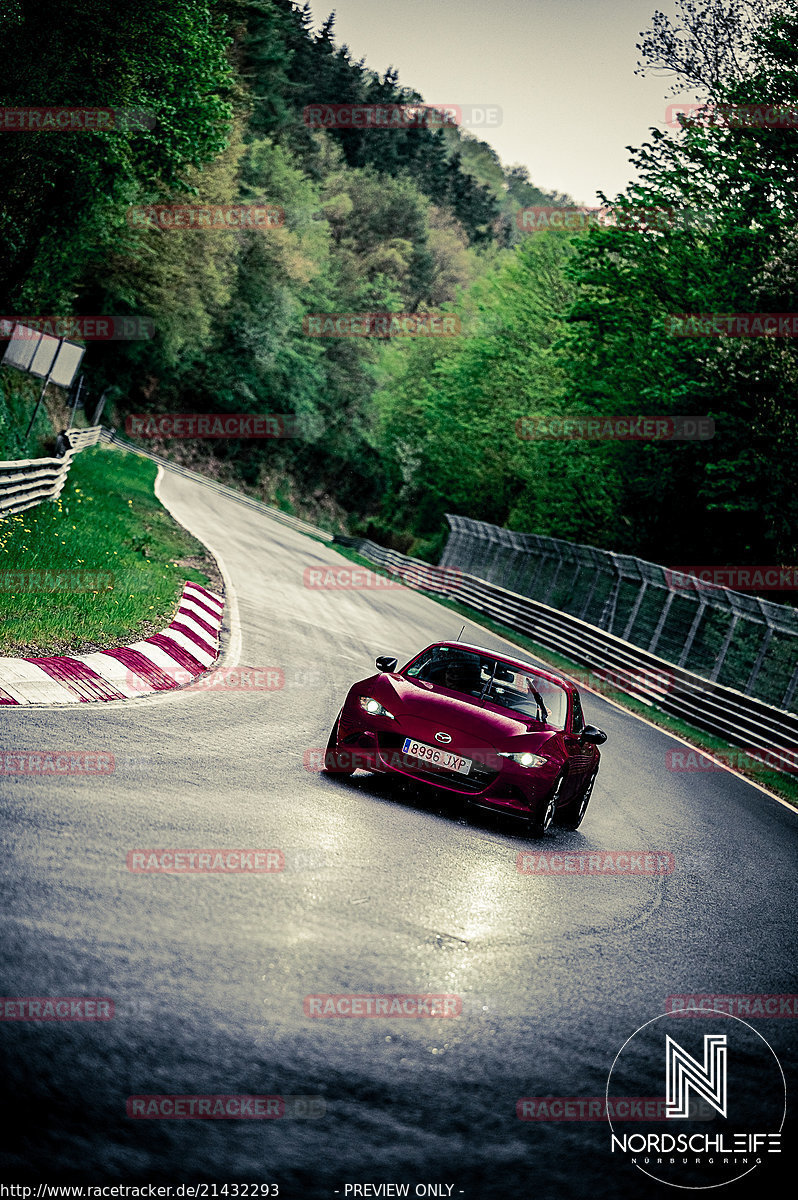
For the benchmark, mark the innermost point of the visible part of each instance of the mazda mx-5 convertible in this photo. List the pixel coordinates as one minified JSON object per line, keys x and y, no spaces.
{"x":503,"y":734}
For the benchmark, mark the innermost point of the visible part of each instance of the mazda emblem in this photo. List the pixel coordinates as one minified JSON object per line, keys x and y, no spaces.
{"x":442,"y":737}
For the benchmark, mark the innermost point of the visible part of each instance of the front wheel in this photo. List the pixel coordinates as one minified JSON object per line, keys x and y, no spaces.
{"x":335,"y":759}
{"x":540,"y":823}
{"x":573,"y":814}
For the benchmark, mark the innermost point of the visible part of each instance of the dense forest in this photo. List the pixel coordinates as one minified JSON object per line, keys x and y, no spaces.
{"x":396,"y":431}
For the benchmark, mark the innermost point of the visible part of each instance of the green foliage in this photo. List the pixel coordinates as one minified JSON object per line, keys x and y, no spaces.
{"x":395,"y":433}
{"x":730,"y":247}
{"x":735,"y":252}
{"x":18,"y":396}
{"x":66,"y":192}
{"x":384,"y":222}
{"x":450,"y":411}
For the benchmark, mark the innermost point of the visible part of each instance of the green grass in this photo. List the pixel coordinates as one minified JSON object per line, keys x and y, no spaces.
{"x":108,"y":520}
{"x":780,"y":783}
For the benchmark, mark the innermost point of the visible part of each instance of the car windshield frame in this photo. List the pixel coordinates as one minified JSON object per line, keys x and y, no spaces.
{"x":489,"y":679}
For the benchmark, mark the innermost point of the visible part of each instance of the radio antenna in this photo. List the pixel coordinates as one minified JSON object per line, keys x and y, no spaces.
{"x":460,"y":634}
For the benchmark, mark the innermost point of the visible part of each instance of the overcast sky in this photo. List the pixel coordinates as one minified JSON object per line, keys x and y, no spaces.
{"x":562,"y":71}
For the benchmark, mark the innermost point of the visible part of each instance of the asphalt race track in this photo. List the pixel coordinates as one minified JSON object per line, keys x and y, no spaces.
{"x":384,"y":891}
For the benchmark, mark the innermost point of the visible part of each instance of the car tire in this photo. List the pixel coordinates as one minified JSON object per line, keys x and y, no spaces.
{"x":573,"y":814}
{"x":544,"y":817}
{"x":332,"y":761}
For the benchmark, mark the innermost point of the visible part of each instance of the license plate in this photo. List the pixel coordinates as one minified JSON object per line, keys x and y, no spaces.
{"x":436,"y":756}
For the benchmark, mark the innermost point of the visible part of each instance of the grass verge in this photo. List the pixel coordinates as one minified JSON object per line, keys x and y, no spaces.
{"x":779,"y":782}
{"x":107,"y":521}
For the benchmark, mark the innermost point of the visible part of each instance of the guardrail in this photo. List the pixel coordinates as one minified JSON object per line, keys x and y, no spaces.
{"x":743,"y":720}
{"x":111,"y":437}
{"x":79,"y":439}
{"x":30,"y":481}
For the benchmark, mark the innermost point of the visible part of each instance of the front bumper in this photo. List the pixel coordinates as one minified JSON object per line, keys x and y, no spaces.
{"x":375,"y":744}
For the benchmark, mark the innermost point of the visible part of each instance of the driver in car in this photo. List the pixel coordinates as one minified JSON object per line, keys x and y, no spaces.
{"x":460,"y":676}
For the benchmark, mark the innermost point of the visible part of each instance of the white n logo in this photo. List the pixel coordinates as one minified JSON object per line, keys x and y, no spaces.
{"x":683,"y":1072}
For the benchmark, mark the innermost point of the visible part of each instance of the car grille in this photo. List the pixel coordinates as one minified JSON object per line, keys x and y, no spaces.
{"x":479,"y":777}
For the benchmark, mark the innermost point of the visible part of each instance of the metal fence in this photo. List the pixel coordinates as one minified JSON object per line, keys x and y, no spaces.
{"x":726,"y":637}
{"x":29,"y":481}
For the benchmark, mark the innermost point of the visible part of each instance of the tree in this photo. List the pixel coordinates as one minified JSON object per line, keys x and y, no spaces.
{"x":708,"y":46}
{"x":64,"y":193}
{"x":731,"y":249}
{"x":450,"y":413}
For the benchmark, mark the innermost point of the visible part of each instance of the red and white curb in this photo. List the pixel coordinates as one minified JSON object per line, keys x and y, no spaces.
{"x":187,"y":647}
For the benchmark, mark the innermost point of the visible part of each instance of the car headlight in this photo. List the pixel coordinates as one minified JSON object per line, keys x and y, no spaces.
{"x":525,"y":758}
{"x":374,"y":708}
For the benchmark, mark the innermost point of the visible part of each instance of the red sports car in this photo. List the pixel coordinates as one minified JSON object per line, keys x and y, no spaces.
{"x":501,"y":733}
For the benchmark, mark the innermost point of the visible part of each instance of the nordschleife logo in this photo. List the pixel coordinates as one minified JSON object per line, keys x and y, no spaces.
{"x":683,"y":1075}
{"x":724,"y":1097}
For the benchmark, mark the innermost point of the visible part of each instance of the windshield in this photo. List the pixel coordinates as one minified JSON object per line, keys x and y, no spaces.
{"x":481,"y":676}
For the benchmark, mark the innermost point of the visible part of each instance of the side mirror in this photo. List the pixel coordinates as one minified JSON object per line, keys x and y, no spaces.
{"x":590,"y":734}
{"x":385,"y":663}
